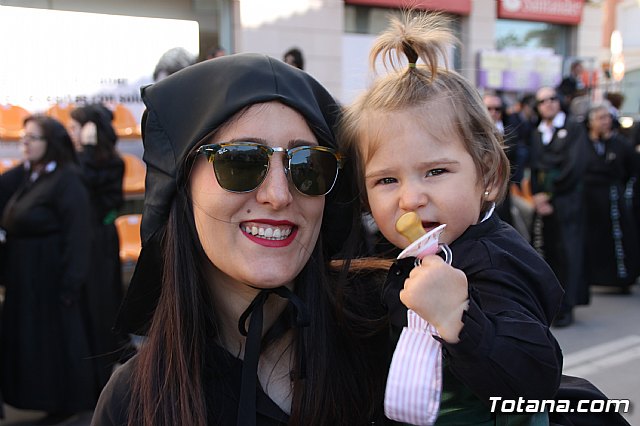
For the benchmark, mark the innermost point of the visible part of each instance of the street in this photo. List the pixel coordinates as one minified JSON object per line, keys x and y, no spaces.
{"x":603,"y":345}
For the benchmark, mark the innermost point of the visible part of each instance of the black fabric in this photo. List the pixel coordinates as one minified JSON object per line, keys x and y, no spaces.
{"x":558,"y":170}
{"x":221,"y":382}
{"x":103,"y":293}
{"x":612,"y":255}
{"x":187,"y":106}
{"x":574,"y":390}
{"x":45,"y":348}
{"x":505,"y":347}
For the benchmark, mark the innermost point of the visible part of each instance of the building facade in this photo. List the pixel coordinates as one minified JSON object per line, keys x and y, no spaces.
{"x":512,"y":45}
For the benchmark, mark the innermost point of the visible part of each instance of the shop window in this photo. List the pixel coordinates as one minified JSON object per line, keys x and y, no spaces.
{"x":524,"y":34}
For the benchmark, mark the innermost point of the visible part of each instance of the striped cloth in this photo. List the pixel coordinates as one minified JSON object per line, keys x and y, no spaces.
{"x":414,"y":384}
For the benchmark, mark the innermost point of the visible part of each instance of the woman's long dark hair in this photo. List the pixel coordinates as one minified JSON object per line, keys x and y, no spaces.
{"x":102,"y":117}
{"x":59,"y":145}
{"x":343,"y":352}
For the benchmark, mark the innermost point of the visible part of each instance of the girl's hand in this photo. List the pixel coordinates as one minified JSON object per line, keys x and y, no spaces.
{"x":89,"y":134}
{"x":438,"y":293}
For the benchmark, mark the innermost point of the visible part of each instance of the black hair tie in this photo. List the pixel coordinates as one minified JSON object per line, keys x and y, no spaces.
{"x":247,"y":403}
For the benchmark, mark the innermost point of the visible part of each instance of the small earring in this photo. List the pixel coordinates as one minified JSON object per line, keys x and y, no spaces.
{"x":486,"y":194}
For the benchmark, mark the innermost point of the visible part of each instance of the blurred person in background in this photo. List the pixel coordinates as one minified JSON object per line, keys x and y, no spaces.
{"x":94,"y":139}
{"x":557,"y":169}
{"x":216,"y":52}
{"x":45,"y":351}
{"x":171,"y":61}
{"x":294,"y":58}
{"x":612,"y":254}
{"x":571,"y":85}
{"x":508,"y":126}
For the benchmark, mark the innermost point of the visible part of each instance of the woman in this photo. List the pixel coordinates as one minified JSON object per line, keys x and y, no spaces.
{"x":94,"y":138}
{"x":242,"y":211}
{"x":612,"y":255}
{"x":45,"y":352}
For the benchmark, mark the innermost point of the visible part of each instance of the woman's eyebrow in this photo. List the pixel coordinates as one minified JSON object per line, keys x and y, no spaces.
{"x":301,"y":142}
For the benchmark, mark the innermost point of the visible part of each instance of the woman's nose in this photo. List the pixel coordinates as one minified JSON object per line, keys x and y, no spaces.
{"x":275,"y":189}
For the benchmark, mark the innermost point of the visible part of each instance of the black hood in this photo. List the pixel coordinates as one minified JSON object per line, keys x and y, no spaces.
{"x":186,"y":107}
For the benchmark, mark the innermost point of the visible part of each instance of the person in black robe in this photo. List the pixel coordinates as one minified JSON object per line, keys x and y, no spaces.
{"x":45,"y":350}
{"x":94,"y":139}
{"x":611,"y":249}
{"x":557,"y":168}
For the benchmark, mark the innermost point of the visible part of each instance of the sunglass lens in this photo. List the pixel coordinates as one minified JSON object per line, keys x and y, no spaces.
{"x":313,"y":171}
{"x":240,"y":168}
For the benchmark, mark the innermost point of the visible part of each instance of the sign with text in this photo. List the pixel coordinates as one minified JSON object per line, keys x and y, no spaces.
{"x":518,"y":70}
{"x":57,"y":57}
{"x":552,"y":11}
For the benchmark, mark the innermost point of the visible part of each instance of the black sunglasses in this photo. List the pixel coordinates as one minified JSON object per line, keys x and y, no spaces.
{"x":243,"y":166}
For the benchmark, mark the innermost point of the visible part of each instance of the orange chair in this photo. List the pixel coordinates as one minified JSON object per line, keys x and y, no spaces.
{"x":134,"y":175}
{"x":8,"y":163}
{"x":61,"y":112}
{"x":124,"y":123}
{"x":128,"y":227}
{"x":12,"y":122}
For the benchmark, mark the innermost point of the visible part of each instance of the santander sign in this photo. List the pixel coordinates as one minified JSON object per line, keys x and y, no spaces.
{"x":556,"y":11}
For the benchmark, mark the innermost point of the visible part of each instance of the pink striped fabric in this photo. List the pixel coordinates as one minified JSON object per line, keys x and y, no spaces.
{"x":414,"y":384}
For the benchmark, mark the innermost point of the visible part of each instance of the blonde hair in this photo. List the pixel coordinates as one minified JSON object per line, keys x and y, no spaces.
{"x":420,"y":87}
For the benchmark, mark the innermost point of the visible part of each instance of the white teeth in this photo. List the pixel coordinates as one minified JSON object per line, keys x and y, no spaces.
{"x":272,"y":233}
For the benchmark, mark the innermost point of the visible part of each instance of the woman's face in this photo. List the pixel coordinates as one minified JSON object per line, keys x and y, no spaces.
{"x":34,"y":145}
{"x":600,"y":121}
{"x":232,"y":226}
{"x":74,"y":129}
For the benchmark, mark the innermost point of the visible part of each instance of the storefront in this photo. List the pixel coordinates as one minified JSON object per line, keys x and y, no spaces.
{"x":535,"y":43}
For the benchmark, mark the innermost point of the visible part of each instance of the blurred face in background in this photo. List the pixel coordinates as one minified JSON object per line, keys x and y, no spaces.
{"x":548,"y":103}
{"x":494,"y":106}
{"x":34,"y":145}
{"x":74,"y":129}
{"x":600,"y":122}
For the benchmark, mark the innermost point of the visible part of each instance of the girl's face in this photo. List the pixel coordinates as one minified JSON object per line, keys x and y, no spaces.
{"x":233,"y":227}
{"x":34,"y":145}
{"x":410,"y":170}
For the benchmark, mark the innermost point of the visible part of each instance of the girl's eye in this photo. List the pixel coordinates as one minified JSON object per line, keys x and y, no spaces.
{"x":387,"y":181}
{"x":435,"y":172}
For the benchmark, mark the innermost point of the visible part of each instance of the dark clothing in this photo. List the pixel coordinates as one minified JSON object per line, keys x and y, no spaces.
{"x":505,"y":347}
{"x":611,"y":249}
{"x":517,"y":134}
{"x":557,"y":168}
{"x":222,"y":394}
{"x":222,"y":378}
{"x":45,"y":349}
{"x":104,"y":291}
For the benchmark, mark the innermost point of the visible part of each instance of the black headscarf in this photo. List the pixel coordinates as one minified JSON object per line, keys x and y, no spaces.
{"x":187,"y":106}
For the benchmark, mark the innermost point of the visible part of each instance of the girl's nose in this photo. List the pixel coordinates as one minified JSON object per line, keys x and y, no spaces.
{"x":412,"y":197}
{"x":275,"y":189}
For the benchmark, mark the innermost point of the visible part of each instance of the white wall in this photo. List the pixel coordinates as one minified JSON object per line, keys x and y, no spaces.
{"x":314,"y":26}
{"x":478,"y":33}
